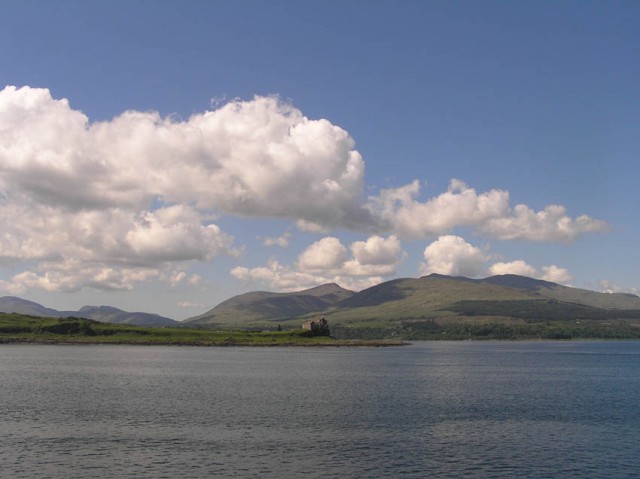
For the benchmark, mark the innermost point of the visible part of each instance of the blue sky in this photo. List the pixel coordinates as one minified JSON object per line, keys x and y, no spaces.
{"x":171,"y":209}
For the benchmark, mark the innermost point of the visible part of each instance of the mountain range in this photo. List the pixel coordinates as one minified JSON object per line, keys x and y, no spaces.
{"x":398,"y":305}
{"x":105,"y":314}
{"x":410,"y":300}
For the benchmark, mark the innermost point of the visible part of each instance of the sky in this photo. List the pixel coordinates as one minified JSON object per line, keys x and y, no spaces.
{"x":163,"y":156}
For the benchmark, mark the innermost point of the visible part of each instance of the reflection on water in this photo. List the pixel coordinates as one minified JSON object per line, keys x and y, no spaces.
{"x":464,"y":409}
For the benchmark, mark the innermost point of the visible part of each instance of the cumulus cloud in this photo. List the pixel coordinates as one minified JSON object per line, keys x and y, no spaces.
{"x":104,"y":249}
{"x":106,"y":204}
{"x":453,"y":256}
{"x":550,"y":224}
{"x":489,"y":213}
{"x":71,"y":276}
{"x":328,"y":260}
{"x":551,"y":273}
{"x":325,"y":255}
{"x":278,"y":276}
{"x":460,"y":205}
{"x":513,"y":267}
{"x":261,"y":157}
{"x":131,"y":191}
{"x":377,"y":256}
{"x":256,"y":158}
{"x":555,"y":274}
{"x":176,"y":233}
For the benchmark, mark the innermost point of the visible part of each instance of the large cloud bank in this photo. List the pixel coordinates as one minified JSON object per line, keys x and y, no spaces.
{"x":108,"y":204}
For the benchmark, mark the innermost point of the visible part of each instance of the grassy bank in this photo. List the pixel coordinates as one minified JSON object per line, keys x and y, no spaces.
{"x":16,"y":328}
{"x":492,"y":327}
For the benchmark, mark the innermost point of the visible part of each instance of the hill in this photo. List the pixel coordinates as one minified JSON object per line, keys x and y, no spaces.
{"x":565,"y":293}
{"x":258,"y":308}
{"x":107,"y":314}
{"x":13,"y":304}
{"x":434,"y":304}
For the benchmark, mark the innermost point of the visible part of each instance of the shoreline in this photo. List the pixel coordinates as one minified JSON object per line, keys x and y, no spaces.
{"x":225,"y":344}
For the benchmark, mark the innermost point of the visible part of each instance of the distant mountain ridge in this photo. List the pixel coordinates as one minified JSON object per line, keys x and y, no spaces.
{"x":267,"y":306}
{"x":568,"y":294}
{"x":105,"y":314}
{"x":396,"y":302}
{"x":411,"y":299}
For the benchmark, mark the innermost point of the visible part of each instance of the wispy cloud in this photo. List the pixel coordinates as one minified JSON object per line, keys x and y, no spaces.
{"x":282,"y":240}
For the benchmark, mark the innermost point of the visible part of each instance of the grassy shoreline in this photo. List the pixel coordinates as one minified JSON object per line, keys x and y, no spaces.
{"x":22,"y":329}
{"x":335,"y":343}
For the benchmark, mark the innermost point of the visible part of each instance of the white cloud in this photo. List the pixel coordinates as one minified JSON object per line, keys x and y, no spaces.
{"x":453,"y":256}
{"x":103,"y":204}
{"x":278,"y":276}
{"x":283,"y":278}
{"x":607,"y":286}
{"x":377,"y":256}
{"x":176,"y":233}
{"x":513,"y":267}
{"x":261,"y":157}
{"x":488,"y":212}
{"x":310,"y":227}
{"x":555,"y":274}
{"x":460,"y":205}
{"x":377,"y":250}
{"x":256,"y":158}
{"x":328,"y":261}
{"x":72,"y":276}
{"x":136,"y":191}
{"x":551,"y":273}
{"x":177,"y":278}
{"x":325,"y":255}
{"x":102,"y":248}
{"x":551,"y":224}
{"x":282,"y":240}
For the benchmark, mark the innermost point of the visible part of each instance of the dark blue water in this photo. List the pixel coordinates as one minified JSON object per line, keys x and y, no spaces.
{"x":436,"y":409}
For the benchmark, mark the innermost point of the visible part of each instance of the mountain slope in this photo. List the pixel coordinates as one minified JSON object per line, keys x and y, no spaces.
{"x":106,"y":314}
{"x":567,"y":294}
{"x":13,"y":304}
{"x":426,"y":297}
{"x":259,"y":306}
{"x":399,"y":302}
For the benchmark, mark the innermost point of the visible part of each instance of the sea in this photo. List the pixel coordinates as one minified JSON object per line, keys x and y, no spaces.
{"x":426,"y":410}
